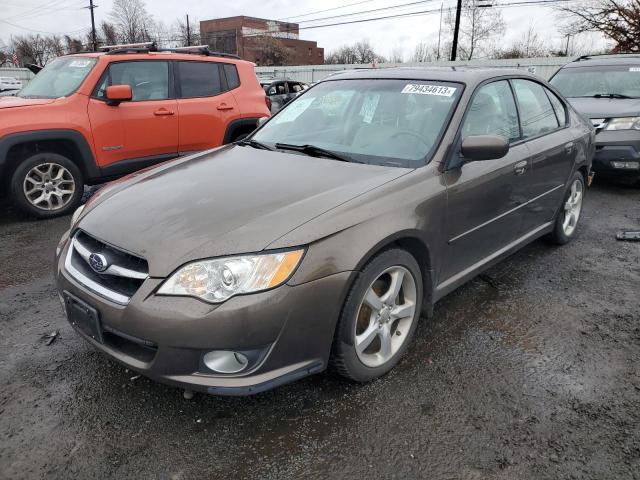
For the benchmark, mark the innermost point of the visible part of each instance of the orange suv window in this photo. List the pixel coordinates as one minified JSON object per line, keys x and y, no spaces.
{"x":149,"y":80}
{"x":199,"y":79}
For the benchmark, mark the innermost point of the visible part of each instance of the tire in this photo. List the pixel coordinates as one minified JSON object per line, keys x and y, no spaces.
{"x":47,"y":185}
{"x":375,"y":328}
{"x":571,"y":205}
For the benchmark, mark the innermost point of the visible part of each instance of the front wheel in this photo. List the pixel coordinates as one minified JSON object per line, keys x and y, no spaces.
{"x":47,"y":185}
{"x":566,"y":222}
{"x":379,"y":317}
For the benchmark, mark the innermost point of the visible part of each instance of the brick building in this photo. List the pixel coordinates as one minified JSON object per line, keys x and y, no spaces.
{"x":245,"y":36}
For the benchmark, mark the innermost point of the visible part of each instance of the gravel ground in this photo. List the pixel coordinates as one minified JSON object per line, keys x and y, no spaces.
{"x":529,"y":371}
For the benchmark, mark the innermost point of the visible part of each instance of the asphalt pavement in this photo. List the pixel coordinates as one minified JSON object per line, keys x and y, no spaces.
{"x":530,"y":371}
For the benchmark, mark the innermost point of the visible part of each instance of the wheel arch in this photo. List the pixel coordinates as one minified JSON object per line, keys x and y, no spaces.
{"x":240,"y":126}
{"x":70,"y":143}
{"x":413,"y":242}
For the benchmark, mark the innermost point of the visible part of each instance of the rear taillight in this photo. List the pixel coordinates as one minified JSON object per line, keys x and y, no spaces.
{"x":268,"y":102}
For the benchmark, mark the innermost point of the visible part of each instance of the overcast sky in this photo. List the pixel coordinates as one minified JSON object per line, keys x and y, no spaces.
{"x":67,"y":17}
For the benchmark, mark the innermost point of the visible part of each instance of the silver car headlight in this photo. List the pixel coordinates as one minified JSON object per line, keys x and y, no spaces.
{"x":623,"y":123}
{"x":76,"y":215}
{"x":219,"y":279}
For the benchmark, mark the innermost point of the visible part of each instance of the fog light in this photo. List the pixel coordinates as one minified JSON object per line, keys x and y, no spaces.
{"x":224,"y":361}
{"x":626,"y":165}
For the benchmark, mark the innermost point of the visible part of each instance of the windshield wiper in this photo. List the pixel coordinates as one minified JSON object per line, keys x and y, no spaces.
{"x":610,"y":95}
{"x":254,"y":144}
{"x":314,"y":151}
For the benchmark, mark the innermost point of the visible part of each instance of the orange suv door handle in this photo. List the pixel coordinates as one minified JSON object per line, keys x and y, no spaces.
{"x":162,"y":111}
{"x":224,"y":106}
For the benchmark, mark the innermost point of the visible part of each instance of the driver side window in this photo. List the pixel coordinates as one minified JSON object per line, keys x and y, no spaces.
{"x":148,"y":80}
{"x":493,"y":112}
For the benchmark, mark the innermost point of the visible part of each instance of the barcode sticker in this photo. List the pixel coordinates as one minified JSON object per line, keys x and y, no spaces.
{"x":422,"y":89}
{"x":80,"y":63}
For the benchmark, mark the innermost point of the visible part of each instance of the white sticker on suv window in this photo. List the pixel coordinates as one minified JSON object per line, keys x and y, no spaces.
{"x":293,"y":110}
{"x":80,"y":63}
{"x":368,"y":109}
{"x":634,"y":69}
{"x":423,"y":89}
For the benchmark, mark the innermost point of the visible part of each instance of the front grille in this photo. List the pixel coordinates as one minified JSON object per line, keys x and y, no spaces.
{"x":121,"y":277}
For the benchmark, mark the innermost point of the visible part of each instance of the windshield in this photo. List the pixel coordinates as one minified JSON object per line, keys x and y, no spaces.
{"x":384,"y":122}
{"x":614,"y":80}
{"x":60,"y":78}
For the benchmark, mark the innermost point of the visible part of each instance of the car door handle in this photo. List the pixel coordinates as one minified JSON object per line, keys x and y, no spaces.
{"x":224,"y":106}
{"x":162,"y":112}
{"x":520,"y":167}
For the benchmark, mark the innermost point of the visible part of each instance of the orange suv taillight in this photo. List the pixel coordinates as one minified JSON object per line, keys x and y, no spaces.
{"x":268,"y":102}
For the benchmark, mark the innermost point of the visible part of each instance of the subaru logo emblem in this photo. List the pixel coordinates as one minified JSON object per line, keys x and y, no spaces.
{"x":98,"y":262}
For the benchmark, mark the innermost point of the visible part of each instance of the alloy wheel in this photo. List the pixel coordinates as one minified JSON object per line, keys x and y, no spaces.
{"x":49,"y":186}
{"x":385,"y":316}
{"x":572,"y":208}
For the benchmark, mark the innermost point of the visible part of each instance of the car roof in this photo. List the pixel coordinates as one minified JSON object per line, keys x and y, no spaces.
{"x":467,"y":75}
{"x":604,"y":60}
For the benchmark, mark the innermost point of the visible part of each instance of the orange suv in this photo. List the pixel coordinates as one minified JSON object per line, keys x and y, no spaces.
{"x":91,"y":117}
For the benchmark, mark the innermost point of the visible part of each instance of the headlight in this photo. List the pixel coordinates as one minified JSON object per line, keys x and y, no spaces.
{"x":76,"y":215}
{"x":623,"y":123}
{"x":219,"y":279}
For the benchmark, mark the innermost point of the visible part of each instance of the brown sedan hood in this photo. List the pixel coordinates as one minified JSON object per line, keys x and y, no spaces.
{"x":234,"y":200}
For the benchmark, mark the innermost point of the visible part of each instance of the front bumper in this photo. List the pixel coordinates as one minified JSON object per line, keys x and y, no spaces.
{"x":290,"y":330}
{"x":613,"y":147}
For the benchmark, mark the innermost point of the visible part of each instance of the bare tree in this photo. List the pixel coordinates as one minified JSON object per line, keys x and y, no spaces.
{"x":618,"y":20}
{"x":428,"y":52}
{"x":131,"y":20}
{"x":396,"y":55}
{"x":37,"y":49}
{"x":359,"y":52}
{"x":73,"y":45}
{"x":270,"y":51}
{"x":193,"y":32}
{"x":530,"y":45}
{"x":478,"y":25}
{"x":108,"y":33}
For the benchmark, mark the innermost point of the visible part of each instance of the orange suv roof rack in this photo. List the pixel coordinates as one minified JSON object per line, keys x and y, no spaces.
{"x":146,"y":47}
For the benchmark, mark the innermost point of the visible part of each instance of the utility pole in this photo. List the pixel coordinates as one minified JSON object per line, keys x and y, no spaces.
{"x":440,"y":31}
{"x":566,"y":51}
{"x":456,"y":32}
{"x":94,"y":38}
{"x":188,"y":32}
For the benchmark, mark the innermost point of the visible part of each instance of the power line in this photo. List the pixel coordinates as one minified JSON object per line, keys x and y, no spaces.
{"x":391,"y":7}
{"x":327,"y":10}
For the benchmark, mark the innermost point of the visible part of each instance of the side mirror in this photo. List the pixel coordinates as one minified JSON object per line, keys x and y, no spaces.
{"x":118,"y":93}
{"x":272,"y":91}
{"x":262,"y":121}
{"x":484,"y":147}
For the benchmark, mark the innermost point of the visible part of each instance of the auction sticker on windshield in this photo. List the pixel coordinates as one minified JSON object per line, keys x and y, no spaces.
{"x":423,"y":89}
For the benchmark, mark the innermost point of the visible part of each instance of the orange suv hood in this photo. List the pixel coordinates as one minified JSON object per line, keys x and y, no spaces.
{"x":10,"y":102}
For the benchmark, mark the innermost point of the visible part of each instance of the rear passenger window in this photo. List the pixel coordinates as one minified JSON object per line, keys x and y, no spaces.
{"x":493,"y":112}
{"x":536,"y":113}
{"x":199,"y":79}
{"x":558,"y":106}
{"x":231,"y":72}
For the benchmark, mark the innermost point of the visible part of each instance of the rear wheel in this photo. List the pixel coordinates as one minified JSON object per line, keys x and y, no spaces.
{"x":566,"y":222}
{"x":47,"y":185}
{"x":379,"y":317}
